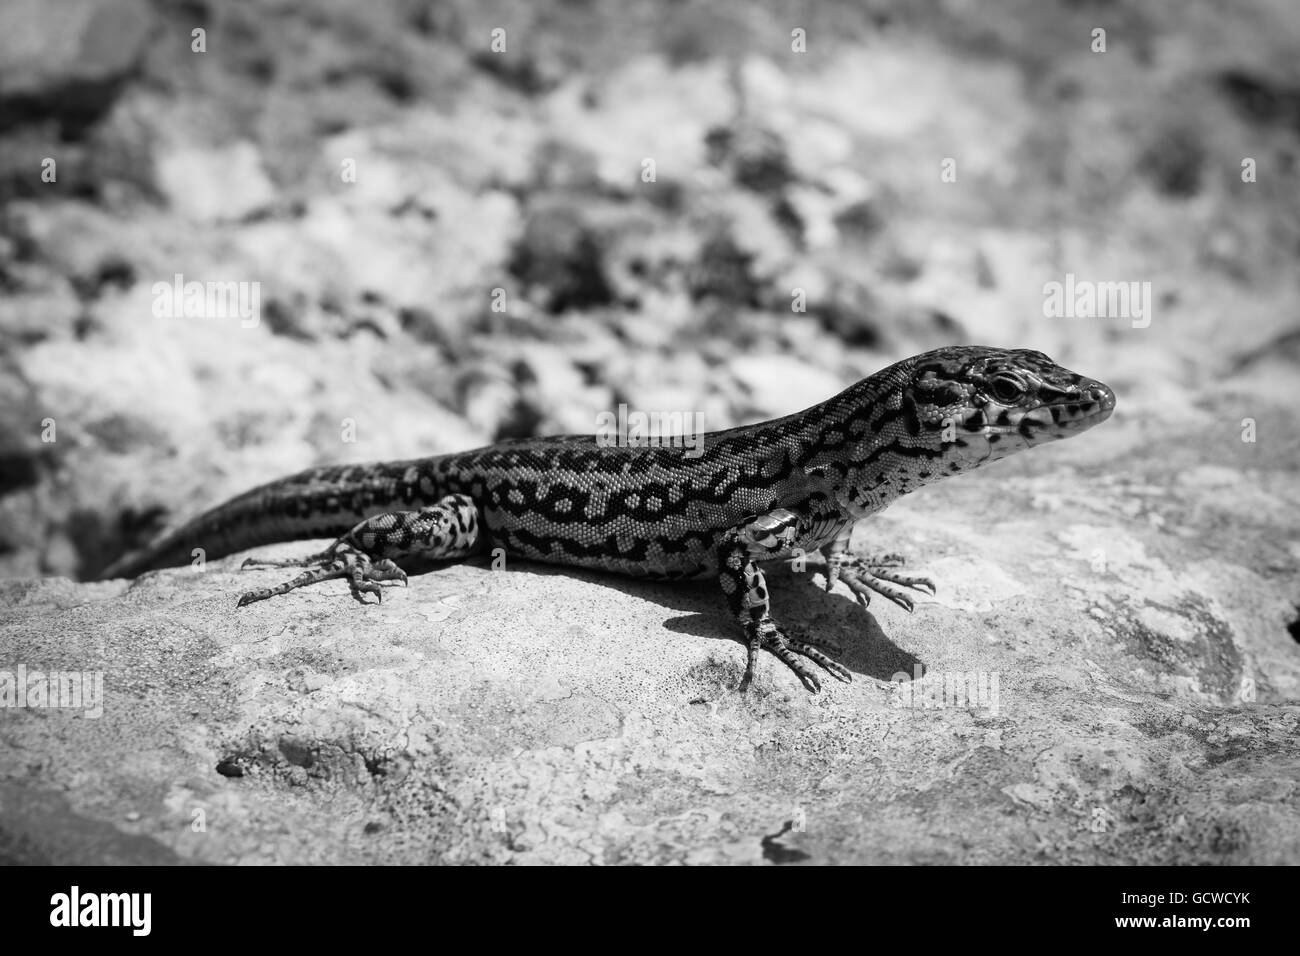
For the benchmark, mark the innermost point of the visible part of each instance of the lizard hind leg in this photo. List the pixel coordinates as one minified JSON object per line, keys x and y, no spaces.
{"x":366,"y":554}
{"x":342,"y":560}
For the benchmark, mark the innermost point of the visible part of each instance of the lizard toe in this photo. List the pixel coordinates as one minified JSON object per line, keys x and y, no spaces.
{"x":862,"y":578}
{"x":833,"y":667}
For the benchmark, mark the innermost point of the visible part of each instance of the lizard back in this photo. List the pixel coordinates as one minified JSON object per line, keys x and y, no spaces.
{"x":634,"y":509}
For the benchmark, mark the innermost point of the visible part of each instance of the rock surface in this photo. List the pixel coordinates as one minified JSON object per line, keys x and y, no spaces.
{"x":453,"y":245}
{"x":1101,"y":686}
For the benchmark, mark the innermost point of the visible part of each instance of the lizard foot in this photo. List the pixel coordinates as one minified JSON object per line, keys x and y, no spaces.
{"x":341,"y":561}
{"x":863,"y":577}
{"x":766,"y":633}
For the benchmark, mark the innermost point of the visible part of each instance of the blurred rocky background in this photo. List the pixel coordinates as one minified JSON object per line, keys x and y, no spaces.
{"x":456,"y":243}
{"x":522,"y":171}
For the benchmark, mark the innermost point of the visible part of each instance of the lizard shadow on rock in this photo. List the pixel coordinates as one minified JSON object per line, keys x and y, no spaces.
{"x":849,"y":632}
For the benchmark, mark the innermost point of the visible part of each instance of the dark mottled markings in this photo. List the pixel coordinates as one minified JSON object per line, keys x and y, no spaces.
{"x":568,"y":498}
{"x":911,"y":419}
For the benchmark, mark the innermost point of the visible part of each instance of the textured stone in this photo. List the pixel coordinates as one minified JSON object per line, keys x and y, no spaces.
{"x":65,"y":58}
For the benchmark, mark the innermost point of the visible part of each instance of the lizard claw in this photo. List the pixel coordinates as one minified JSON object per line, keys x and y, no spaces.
{"x":925,"y":584}
{"x":766,"y":633}
{"x":863,"y":577}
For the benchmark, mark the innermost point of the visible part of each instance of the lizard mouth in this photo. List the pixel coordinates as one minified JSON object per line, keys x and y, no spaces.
{"x":1089,"y":405}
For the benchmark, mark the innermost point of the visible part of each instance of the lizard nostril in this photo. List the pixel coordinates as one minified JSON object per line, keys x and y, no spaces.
{"x":1101,"y":395}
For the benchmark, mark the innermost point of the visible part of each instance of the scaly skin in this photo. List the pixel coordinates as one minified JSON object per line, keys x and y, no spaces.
{"x":771,"y":491}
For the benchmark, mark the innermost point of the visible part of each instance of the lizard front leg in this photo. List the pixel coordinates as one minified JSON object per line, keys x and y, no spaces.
{"x":766,"y":537}
{"x":864,"y":576}
{"x":367,"y":554}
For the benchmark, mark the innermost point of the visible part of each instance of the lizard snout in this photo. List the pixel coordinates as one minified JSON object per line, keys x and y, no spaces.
{"x":1087,"y":405}
{"x":1101,"y":398}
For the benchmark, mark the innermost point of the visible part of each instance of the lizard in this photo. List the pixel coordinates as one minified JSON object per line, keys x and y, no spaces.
{"x":777,"y":490}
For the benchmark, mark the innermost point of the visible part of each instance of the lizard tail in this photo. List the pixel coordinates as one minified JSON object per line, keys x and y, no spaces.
{"x":316,"y":503}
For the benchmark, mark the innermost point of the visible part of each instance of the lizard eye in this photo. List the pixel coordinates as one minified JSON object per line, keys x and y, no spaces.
{"x":1006,"y":389}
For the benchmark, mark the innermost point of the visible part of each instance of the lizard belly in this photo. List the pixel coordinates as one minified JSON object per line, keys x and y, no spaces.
{"x":682,"y":545}
{"x":646,"y":512}
{"x":666,"y":549}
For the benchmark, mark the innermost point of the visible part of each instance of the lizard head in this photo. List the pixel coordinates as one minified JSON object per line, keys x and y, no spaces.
{"x":980,"y":404}
{"x":943,"y":413}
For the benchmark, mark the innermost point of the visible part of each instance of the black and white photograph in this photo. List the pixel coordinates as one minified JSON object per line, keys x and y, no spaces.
{"x":651,"y":432}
